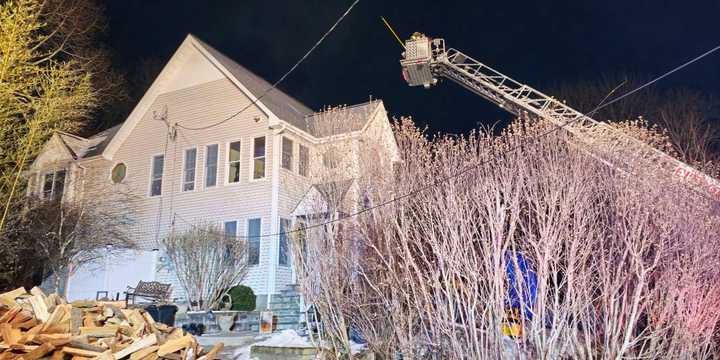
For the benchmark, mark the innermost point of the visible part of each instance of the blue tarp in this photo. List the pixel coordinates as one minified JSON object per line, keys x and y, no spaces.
{"x":522,"y":288}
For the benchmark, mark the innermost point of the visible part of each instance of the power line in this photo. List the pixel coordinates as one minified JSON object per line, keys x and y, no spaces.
{"x":274,"y":85}
{"x":602,"y":105}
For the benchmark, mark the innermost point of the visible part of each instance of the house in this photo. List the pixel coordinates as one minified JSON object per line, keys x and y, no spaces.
{"x":208,"y":143}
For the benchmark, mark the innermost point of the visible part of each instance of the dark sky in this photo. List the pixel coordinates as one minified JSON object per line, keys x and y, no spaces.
{"x":541,"y":43}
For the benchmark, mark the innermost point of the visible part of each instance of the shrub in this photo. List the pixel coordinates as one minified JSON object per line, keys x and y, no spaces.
{"x":243,"y":298}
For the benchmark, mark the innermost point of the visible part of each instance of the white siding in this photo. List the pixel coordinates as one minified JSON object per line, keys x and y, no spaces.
{"x":195,"y":103}
{"x":197,"y":106}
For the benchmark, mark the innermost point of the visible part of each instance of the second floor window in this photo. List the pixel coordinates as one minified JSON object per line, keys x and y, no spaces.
{"x":211,"y":161}
{"x":287,"y":153}
{"x":259,"y":158}
{"x":189,"y":171}
{"x":234,"y":162}
{"x":304,"y":161}
{"x":54,"y":185}
{"x":254,"y":227}
{"x":156,"y":175}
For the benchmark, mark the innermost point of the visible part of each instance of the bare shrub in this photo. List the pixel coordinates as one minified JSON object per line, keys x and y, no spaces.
{"x":207,"y":263}
{"x":622,"y":264}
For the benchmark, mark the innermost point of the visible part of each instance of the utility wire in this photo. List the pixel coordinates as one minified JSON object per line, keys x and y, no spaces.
{"x":274,"y":85}
{"x":602,"y":105}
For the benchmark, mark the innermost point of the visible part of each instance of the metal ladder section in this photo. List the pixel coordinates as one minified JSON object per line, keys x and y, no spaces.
{"x":612,"y":145}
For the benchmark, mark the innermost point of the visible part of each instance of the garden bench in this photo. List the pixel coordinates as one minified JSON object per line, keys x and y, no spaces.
{"x":152,"y":290}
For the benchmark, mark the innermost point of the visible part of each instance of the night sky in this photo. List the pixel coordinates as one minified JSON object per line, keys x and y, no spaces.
{"x":541,"y":43}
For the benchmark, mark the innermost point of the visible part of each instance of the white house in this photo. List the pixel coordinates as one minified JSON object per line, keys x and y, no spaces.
{"x":206,"y":143}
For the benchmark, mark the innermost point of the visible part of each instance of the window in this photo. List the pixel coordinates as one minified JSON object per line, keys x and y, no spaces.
{"x":259,"y":158}
{"x":47,"y":186}
{"x":230,"y":229}
{"x":304,"y":161}
{"x":283,"y":249}
{"x":189,"y":171}
{"x":330,"y":159}
{"x":254,"y":226}
{"x":287,"y":153}
{"x":234,"y":162}
{"x":54,"y":185}
{"x":231,"y":235}
{"x":118,"y":173}
{"x":211,"y":161}
{"x":158,"y":162}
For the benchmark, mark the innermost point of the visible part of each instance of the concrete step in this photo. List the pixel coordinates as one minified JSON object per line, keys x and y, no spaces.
{"x":294,"y":326}
{"x":288,"y":297}
{"x":286,"y":313}
{"x":292,"y":287}
{"x":286,"y":306}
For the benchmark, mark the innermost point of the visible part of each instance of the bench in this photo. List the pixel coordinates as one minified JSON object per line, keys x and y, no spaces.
{"x":152,"y":290}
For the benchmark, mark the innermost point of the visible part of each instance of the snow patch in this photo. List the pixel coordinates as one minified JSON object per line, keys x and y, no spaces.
{"x":286,"y":338}
{"x":356,"y":348}
{"x":242,"y":353}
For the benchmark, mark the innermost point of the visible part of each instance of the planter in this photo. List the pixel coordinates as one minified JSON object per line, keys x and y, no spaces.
{"x":201,"y":318}
{"x":225,"y":319}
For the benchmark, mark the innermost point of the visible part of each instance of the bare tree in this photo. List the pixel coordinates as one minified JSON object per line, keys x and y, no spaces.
{"x":69,"y":235}
{"x":428,"y":273}
{"x":207,"y":263}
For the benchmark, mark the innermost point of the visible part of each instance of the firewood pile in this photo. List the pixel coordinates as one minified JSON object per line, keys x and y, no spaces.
{"x":36,"y":326}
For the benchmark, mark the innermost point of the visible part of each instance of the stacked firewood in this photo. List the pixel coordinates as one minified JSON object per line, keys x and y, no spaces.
{"x":36,"y":326}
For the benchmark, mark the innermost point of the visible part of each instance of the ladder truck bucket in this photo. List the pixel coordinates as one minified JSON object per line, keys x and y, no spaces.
{"x":417,"y":61}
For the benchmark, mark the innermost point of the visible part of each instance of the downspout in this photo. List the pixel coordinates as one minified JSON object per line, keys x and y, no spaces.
{"x":274,"y":209}
{"x":75,"y":191}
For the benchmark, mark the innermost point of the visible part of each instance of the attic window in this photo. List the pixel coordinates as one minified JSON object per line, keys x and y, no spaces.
{"x":118,"y":173}
{"x":54,"y":185}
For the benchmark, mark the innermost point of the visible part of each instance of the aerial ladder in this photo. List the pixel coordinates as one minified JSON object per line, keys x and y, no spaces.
{"x":426,"y":60}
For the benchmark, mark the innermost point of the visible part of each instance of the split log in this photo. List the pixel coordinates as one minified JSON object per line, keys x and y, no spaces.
{"x":174,"y":345}
{"x":39,"y":352}
{"x":99,"y":331}
{"x":142,"y":354}
{"x":80,"y":352}
{"x":137,"y":345}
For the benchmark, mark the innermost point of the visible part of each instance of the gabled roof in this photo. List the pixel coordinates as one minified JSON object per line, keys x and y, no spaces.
{"x":322,"y":197}
{"x":341,"y":120}
{"x":100,"y":140}
{"x":281,"y":104}
{"x":275,"y":101}
{"x":80,"y":147}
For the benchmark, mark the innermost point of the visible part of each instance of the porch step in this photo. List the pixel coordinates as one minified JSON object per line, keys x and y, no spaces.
{"x":286,"y":306}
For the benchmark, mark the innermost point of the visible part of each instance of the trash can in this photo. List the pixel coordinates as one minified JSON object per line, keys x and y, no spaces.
{"x":167,"y":314}
{"x":153,"y":311}
{"x":164,"y":314}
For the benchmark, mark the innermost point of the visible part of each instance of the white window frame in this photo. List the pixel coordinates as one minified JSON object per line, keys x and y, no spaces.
{"x":227,"y":162}
{"x":249,"y":239}
{"x":252,"y":159}
{"x":110,"y":173}
{"x":217,"y":165}
{"x":151,"y":174}
{"x":183,"y":181}
{"x":237,"y":226}
{"x":52,"y":181}
{"x":307,"y":163}
{"x":282,"y":153}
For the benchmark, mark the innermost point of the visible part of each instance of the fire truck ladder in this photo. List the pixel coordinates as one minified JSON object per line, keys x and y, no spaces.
{"x":425,"y":60}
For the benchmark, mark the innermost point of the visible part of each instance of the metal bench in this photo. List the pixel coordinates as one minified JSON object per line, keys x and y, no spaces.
{"x":152,"y":290}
